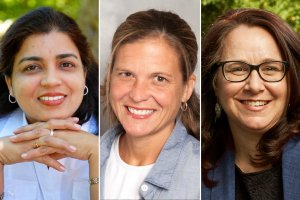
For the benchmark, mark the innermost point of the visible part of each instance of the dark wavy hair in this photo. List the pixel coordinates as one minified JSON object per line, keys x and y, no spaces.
{"x":179,"y":35}
{"x":215,"y":134}
{"x":43,"y":20}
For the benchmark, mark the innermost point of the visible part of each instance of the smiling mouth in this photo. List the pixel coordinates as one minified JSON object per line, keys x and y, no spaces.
{"x":255,"y":103}
{"x":51,"y":98}
{"x":140,"y":112}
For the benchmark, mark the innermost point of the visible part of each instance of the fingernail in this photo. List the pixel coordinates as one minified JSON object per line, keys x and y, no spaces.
{"x":24,"y":155}
{"x":72,"y":148}
{"x":62,"y":168}
{"x":13,"y":137}
{"x":16,"y":131}
{"x":75,"y":119}
{"x":77,"y":126}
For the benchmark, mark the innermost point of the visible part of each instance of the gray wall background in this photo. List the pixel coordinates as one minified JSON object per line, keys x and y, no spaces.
{"x":114,"y":12}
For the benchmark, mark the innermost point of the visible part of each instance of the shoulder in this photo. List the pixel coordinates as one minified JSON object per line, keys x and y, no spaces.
{"x":92,"y":125}
{"x":187,"y":169}
{"x":106,"y":141}
{"x":5,"y":118}
{"x":293,"y":145}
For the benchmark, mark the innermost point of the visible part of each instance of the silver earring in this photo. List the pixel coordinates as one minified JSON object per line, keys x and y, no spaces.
{"x":218,"y":110}
{"x":10,"y":99}
{"x":86,"y":90}
{"x":184,"y":106}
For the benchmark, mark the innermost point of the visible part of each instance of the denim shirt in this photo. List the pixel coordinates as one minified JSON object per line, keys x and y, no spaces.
{"x":176,"y":173}
{"x":32,"y":180}
{"x":224,"y":173}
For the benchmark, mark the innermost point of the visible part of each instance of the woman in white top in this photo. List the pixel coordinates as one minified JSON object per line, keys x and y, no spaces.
{"x":153,"y":151}
{"x":48,"y":86}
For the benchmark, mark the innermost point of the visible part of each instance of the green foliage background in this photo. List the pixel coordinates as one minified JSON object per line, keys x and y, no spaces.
{"x":85,"y":12}
{"x":12,"y":9}
{"x":289,"y":10}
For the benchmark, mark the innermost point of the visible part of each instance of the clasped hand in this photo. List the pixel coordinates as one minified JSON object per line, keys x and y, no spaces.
{"x":34,"y":142}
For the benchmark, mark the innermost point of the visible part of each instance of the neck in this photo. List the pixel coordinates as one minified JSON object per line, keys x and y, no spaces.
{"x":139,"y":151}
{"x":245,"y":144}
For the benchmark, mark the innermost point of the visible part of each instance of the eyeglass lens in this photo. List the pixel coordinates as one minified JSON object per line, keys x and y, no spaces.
{"x":239,"y":71}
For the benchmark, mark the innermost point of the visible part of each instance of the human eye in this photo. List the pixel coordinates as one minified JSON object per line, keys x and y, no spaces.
{"x":271,"y":68}
{"x":236,"y":68}
{"x":31,"y":68}
{"x":125,"y":75}
{"x":160,"y":80}
{"x":66,"y":65}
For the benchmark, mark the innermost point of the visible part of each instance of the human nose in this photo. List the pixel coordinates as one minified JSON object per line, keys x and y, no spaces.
{"x":50,"y":78}
{"x":254,"y":83}
{"x":139,"y":91}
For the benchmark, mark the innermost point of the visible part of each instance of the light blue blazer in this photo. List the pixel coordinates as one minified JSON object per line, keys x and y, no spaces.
{"x":224,"y":173}
{"x":176,"y":173}
{"x":34,"y":181}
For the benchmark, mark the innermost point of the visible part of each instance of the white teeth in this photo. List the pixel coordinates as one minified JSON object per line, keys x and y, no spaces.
{"x":255,"y":103}
{"x":47,"y":98}
{"x":140,"y":112}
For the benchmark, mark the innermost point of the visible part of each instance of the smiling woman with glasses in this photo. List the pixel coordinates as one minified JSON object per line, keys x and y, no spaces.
{"x":250,"y":108}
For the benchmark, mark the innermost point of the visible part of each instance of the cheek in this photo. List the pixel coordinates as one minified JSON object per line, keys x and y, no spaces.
{"x":168,"y":97}
{"x":118,"y":90}
{"x":24,"y":86}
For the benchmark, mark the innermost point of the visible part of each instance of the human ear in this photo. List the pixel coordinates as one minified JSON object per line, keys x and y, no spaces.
{"x":189,"y":87}
{"x":9,"y":85}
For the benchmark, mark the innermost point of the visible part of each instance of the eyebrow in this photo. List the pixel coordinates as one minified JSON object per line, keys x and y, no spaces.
{"x":30,"y":58}
{"x":36,"y":58}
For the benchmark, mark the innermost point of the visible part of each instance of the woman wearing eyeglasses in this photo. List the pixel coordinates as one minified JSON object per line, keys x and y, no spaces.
{"x":250,"y":108}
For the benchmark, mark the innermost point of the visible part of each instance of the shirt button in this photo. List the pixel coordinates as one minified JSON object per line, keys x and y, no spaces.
{"x":144,"y":188}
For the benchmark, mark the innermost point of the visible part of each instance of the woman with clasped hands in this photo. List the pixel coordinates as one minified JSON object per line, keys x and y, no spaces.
{"x":153,"y":150}
{"x":251,"y":108}
{"x":49,"y":99}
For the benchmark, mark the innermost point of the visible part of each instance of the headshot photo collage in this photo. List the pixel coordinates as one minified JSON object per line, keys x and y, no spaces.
{"x":150,"y":99}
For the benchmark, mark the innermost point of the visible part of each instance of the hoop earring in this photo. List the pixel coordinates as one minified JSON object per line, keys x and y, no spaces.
{"x":218,"y":110}
{"x":10,"y":99}
{"x":184,"y":106}
{"x":85,"y":91}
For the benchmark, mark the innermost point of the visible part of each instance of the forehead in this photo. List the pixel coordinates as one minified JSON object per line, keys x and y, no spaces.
{"x":52,"y":43}
{"x":148,"y":51}
{"x":250,"y":42}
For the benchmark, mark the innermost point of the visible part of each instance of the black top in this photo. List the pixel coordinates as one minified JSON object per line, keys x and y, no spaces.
{"x":263,"y":185}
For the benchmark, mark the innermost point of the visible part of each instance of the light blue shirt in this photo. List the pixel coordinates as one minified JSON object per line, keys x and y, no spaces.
{"x":32,"y":180}
{"x":176,"y":173}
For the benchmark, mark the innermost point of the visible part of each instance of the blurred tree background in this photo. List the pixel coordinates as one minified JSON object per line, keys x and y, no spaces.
{"x":85,"y":12}
{"x":289,"y":10}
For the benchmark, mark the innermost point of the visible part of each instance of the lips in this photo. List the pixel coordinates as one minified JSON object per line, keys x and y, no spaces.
{"x":255,"y":103}
{"x":139,"y":113}
{"x":52,"y":99}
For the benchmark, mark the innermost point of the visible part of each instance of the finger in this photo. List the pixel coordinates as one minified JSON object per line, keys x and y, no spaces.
{"x":57,"y":156}
{"x":69,"y":123}
{"x":41,"y":151}
{"x":47,"y":160}
{"x":30,"y":135}
{"x":57,"y":143}
{"x":47,"y":143}
{"x":29,"y":127}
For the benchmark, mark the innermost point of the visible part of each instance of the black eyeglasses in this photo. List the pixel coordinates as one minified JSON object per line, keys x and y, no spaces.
{"x":238,"y":71}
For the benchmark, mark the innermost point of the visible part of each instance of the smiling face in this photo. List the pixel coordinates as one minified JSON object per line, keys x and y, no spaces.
{"x":147,"y":88}
{"x":48,"y":78}
{"x":252,"y":105}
